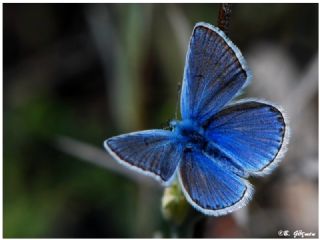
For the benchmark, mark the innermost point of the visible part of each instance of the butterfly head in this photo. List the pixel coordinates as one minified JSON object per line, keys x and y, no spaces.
{"x":173,"y":124}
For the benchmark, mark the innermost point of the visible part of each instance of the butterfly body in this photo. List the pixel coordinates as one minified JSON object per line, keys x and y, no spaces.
{"x":219,"y":142}
{"x":190,"y":134}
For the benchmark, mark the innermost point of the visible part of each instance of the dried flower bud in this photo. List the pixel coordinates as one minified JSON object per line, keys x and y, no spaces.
{"x":174,"y":204}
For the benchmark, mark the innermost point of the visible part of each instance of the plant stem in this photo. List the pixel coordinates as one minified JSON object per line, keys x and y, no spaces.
{"x":224,"y":17}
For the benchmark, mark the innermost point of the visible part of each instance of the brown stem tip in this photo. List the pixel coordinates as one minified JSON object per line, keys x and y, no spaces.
{"x":224,"y":17}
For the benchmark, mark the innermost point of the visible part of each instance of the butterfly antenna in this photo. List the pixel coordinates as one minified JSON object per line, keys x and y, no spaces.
{"x":178,"y":98}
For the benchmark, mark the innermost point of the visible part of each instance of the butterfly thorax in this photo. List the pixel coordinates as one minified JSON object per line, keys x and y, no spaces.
{"x":191,"y":134}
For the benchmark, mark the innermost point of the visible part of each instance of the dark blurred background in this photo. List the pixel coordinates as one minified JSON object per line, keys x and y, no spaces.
{"x":76,"y":74}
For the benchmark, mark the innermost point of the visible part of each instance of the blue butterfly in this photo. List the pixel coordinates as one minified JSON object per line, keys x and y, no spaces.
{"x":218,"y":144}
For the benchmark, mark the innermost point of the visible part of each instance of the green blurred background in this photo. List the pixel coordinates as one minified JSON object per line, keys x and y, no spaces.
{"x":76,"y":74}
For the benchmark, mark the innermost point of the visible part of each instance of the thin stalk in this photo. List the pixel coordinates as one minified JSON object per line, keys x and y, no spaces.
{"x":224,"y":17}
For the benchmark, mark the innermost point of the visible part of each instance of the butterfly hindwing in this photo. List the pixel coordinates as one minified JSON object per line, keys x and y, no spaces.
{"x":253,"y":134}
{"x":210,"y":188}
{"x":214,"y":73}
{"x":153,"y":152}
